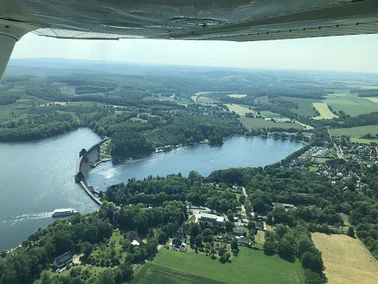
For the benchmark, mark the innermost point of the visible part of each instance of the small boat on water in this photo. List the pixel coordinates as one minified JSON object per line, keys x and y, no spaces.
{"x":63,"y":212}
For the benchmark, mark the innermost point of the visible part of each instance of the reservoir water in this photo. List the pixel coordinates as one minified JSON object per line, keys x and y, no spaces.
{"x":38,"y":177}
{"x":203,"y":158}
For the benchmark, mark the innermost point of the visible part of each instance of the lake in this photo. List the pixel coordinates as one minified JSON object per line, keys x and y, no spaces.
{"x":203,"y":158}
{"x":38,"y":177}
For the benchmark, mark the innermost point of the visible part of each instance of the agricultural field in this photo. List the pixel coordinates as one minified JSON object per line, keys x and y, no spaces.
{"x":305,"y":106}
{"x":257,"y":123}
{"x":237,"y":96}
{"x":150,"y":273}
{"x":351,"y":104}
{"x":324,"y":111}
{"x":363,"y":141}
{"x":369,"y":87}
{"x":204,"y":100}
{"x":250,"y":266}
{"x":194,"y":98}
{"x":347,"y":260}
{"x":269,"y":114}
{"x":240,"y":110}
{"x":261,"y":100}
{"x":355,"y":132}
{"x":373,"y":99}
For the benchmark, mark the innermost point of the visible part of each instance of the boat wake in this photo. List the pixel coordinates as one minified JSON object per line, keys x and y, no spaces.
{"x":25,"y":217}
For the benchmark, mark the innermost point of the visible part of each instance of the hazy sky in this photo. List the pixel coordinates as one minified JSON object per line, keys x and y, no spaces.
{"x":349,"y":53}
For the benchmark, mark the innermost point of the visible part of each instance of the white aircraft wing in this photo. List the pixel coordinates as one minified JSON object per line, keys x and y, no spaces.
{"x":233,"y":20}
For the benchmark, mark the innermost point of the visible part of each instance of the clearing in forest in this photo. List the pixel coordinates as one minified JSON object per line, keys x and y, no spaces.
{"x":324,"y":111}
{"x":347,"y":260}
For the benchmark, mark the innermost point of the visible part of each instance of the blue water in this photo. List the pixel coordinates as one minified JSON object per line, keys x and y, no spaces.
{"x":235,"y":152}
{"x":36,"y":178}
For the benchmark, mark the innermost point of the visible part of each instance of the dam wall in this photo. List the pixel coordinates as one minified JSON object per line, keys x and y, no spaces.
{"x":87,"y":160}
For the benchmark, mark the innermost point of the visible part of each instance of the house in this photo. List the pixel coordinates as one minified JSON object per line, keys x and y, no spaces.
{"x":210,"y":218}
{"x":179,"y":242}
{"x":286,"y":206}
{"x":135,"y":243}
{"x":229,"y":236}
{"x":63,"y":260}
{"x":260,"y":225}
{"x":239,"y":230}
{"x":245,"y":242}
{"x":133,"y":237}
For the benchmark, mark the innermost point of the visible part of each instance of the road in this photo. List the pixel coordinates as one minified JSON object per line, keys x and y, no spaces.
{"x":339,"y":151}
{"x":246,"y":197}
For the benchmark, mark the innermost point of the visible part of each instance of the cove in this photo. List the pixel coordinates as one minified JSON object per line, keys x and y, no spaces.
{"x":235,"y":152}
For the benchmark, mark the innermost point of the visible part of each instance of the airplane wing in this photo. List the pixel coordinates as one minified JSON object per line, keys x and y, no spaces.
{"x":232,"y":20}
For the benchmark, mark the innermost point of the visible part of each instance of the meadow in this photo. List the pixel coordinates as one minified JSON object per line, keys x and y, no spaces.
{"x":250,"y":266}
{"x":150,"y":273}
{"x":351,"y":104}
{"x":240,"y":110}
{"x":324,"y":111}
{"x":347,"y":260}
{"x":355,"y":132}
{"x":305,"y":107}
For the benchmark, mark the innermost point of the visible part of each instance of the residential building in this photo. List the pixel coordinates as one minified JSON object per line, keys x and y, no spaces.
{"x":63,"y":260}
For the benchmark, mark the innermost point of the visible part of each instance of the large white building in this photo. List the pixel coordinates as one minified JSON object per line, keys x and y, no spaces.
{"x":211,"y":218}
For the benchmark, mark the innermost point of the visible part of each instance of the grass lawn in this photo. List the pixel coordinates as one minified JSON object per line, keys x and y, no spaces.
{"x":347,"y":260}
{"x":150,"y":273}
{"x":305,"y":106}
{"x":324,"y":111}
{"x":238,"y":109}
{"x":355,"y":132}
{"x":257,"y":123}
{"x":351,"y":104}
{"x":313,"y":169}
{"x":260,"y":237}
{"x":250,"y":266}
{"x":321,"y":160}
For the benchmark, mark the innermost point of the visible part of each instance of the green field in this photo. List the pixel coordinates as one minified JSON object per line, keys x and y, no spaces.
{"x":324,"y":111}
{"x":256,"y":123}
{"x":250,"y":266}
{"x":351,"y":104}
{"x":240,"y":110}
{"x":269,"y":114}
{"x":355,"y":132}
{"x":305,"y":106}
{"x":150,"y":273}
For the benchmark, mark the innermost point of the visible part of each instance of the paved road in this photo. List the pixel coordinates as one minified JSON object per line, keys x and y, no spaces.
{"x":339,"y":151}
{"x":246,"y":196}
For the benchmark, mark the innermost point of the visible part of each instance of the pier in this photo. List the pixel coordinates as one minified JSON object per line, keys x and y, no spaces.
{"x":88,"y":160}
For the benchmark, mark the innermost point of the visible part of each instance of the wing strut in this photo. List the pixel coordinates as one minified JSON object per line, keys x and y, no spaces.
{"x":10,"y":33}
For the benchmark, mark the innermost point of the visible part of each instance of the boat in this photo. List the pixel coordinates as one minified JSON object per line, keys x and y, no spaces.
{"x":63,"y":212}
